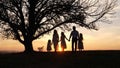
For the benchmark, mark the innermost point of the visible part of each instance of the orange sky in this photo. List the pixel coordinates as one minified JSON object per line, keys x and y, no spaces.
{"x":106,"y":38}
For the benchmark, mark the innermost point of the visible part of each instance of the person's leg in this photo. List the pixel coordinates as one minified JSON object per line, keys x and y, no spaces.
{"x":72,"y":45}
{"x":80,"y":49}
{"x":63,"y":49}
{"x":55,"y":47}
{"x":75,"y":44}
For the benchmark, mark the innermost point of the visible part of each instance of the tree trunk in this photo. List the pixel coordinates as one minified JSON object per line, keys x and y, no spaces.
{"x":28,"y":46}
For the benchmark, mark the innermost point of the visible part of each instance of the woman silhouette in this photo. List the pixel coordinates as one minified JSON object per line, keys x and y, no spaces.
{"x":63,"y":42}
{"x":55,"y":40}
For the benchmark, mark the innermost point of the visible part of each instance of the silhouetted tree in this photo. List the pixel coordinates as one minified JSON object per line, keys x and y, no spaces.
{"x":26,"y":20}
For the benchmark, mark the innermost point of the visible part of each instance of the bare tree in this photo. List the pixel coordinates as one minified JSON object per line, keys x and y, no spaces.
{"x":27,"y":20}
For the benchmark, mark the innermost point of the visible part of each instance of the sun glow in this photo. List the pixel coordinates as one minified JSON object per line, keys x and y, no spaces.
{"x":60,"y":49}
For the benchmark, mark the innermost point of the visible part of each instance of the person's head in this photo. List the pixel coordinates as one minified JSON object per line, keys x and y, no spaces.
{"x":55,"y":31}
{"x":74,"y":28}
{"x":49,"y":40}
{"x":62,"y":33}
{"x":81,"y":34}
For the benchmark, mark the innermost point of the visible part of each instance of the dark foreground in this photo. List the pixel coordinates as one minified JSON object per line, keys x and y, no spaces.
{"x":85,"y":59}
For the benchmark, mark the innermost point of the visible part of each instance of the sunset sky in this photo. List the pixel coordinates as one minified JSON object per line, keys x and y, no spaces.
{"x":106,"y":38}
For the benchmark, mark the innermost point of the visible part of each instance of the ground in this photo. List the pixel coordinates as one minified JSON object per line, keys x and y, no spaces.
{"x":68,"y":59}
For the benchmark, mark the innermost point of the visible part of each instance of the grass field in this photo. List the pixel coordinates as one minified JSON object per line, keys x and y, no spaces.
{"x":68,"y":59}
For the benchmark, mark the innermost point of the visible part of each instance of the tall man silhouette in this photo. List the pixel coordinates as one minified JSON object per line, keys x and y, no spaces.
{"x":75,"y":35}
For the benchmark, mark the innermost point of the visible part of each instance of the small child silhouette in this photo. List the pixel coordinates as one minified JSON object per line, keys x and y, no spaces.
{"x":80,"y":42}
{"x":49,"y":46}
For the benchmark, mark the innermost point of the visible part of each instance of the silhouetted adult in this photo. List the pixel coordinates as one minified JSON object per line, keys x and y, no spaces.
{"x":74,"y":34}
{"x":55,"y":40}
{"x":63,"y":42}
{"x":80,"y":42}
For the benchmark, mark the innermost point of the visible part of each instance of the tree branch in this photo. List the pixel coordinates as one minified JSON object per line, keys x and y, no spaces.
{"x":51,"y":29}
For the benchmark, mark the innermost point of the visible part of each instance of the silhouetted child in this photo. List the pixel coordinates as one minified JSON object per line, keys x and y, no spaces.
{"x":80,"y":42}
{"x":49,"y":46}
{"x":63,"y":42}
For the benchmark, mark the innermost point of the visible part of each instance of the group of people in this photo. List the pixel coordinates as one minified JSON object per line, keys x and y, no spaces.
{"x":77,"y":40}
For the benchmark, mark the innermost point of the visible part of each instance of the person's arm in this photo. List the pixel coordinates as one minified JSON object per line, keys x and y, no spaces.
{"x":78,"y":36}
{"x":70,"y":36}
{"x":58,"y":38}
{"x":66,"y":38}
{"x":53,"y":39}
{"x":82,"y":37}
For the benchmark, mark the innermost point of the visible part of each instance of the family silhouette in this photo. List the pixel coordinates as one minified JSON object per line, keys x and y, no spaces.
{"x":77,"y":40}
